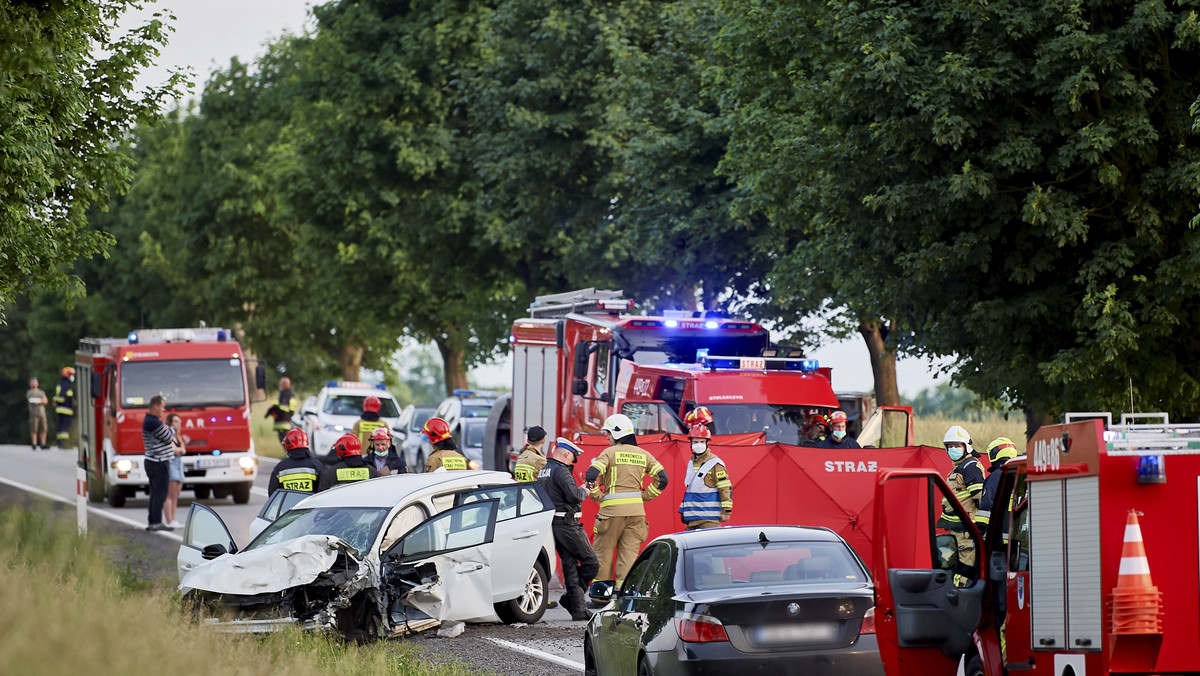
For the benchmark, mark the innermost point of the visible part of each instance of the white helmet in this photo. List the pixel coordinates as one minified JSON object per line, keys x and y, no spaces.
{"x":619,"y":425}
{"x":959,"y":435}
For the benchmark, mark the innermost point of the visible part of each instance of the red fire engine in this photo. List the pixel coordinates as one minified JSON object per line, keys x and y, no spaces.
{"x":201,"y":373}
{"x":1089,"y":565}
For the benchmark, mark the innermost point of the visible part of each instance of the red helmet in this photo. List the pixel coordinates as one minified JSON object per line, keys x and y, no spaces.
{"x":699,"y":432}
{"x":347,"y":444}
{"x":436,"y":429}
{"x":67,"y":372}
{"x":371,"y":404}
{"x":816,"y":419}
{"x":698,"y":416}
{"x":838,"y":416}
{"x":381,"y":433}
{"x":295,"y":438}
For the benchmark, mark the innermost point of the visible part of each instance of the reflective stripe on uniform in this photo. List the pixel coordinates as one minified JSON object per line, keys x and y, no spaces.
{"x":524,"y":472}
{"x":454,"y":462}
{"x":621,"y":498}
{"x":700,"y":502}
{"x":353,"y":474}
{"x":298,"y":479}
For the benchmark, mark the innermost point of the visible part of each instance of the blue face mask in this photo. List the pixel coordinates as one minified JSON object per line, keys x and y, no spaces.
{"x":839,"y":434}
{"x":956,"y":453}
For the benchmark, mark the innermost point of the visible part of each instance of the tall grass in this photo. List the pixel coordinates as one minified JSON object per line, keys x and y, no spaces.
{"x":983,"y":428}
{"x":65,"y":610}
{"x":262,"y":430}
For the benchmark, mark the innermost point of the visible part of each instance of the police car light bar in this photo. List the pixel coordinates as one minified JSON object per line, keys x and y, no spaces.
{"x":350,"y":384}
{"x":714,"y":363}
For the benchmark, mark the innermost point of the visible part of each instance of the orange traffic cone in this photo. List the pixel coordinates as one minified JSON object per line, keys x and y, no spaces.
{"x":1136,"y":603}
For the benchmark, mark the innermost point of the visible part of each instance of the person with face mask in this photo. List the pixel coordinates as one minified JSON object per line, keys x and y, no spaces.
{"x":837,"y":433}
{"x":966,"y":480}
{"x":708,"y":493}
{"x":383,"y":453}
{"x":579,"y":562}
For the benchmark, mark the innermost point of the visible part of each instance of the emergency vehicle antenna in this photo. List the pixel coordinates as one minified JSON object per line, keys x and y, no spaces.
{"x":584,"y":301}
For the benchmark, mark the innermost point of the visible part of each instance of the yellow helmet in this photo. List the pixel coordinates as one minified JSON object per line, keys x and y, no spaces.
{"x":1002,"y":448}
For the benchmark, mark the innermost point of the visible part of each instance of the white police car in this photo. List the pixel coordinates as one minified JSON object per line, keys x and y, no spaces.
{"x":337,"y":407}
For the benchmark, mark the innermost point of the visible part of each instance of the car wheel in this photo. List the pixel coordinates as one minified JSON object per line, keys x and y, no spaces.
{"x":241,"y":493}
{"x":974,"y":667}
{"x":644,"y":667}
{"x":589,"y":659}
{"x":203,"y":492}
{"x":531,"y":604}
{"x":116,"y":496}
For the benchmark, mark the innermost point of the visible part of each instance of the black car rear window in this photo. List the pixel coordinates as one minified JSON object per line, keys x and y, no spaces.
{"x":777,"y":563}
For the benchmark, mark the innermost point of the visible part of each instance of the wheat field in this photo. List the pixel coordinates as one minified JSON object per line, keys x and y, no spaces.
{"x":983,"y":428}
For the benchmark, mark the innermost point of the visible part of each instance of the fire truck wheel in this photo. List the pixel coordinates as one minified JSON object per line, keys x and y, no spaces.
{"x":974,"y":667}
{"x":116,"y":496}
{"x":241,"y":493}
{"x":203,"y":492}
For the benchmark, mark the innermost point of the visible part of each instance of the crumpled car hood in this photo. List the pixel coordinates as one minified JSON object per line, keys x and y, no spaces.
{"x":271,"y":568}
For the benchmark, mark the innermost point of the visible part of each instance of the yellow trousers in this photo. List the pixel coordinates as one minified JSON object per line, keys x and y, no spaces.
{"x":625,"y":535}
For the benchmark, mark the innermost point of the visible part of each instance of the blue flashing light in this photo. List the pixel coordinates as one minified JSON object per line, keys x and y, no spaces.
{"x":701,"y":354}
{"x":228,"y":418}
{"x":710,"y":324}
{"x":216,"y":451}
{"x":809,"y":365}
{"x":724,"y":363}
{"x":380,"y":386}
{"x":511,"y":339}
{"x":671,"y":323}
{"x":464,"y":393}
{"x":133,"y":338}
{"x":1152,"y":470}
{"x":331,"y":383}
{"x":221,"y":336}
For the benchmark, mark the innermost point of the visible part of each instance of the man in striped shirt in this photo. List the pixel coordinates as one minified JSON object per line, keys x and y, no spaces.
{"x":156,"y":437}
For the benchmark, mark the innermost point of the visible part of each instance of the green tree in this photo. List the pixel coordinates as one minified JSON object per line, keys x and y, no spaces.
{"x":1016,"y":181}
{"x":66,"y":102}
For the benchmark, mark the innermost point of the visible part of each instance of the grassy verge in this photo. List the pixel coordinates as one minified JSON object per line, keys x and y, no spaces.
{"x":262,"y":430}
{"x":983,"y":428}
{"x":66,"y":610}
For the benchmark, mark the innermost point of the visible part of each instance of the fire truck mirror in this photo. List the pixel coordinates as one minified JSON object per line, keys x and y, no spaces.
{"x":581,"y":361}
{"x":260,"y":377}
{"x":947,"y":551}
{"x":579,"y":387}
{"x":97,"y":385}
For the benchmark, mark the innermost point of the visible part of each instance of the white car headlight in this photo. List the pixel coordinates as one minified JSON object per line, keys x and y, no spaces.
{"x":123,"y":465}
{"x":246,"y":462}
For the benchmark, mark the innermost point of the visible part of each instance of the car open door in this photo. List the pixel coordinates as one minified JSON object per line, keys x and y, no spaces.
{"x":442,"y":569}
{"x":204,"y":530}
{"x":279,"y":503}
{"x":928,"y":601}
{"x":522,"y":523}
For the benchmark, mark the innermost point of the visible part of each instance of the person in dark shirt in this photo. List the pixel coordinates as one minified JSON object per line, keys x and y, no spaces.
{"x":283,"y":409}
{"x":837,"y":435}
{"x":299,"y":471}
{"x":383,"y":456}
{"x":350,"y":466}
{"x":579,"y":562}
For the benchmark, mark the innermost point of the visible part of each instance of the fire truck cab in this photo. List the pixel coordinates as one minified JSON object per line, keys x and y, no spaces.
{"x":579,"y":357}
{"x":1089,"y":565}
{"x":201,"y":373}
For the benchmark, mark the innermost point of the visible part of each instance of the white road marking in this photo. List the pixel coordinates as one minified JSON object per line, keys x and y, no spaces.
{"x":561,"y":661}
{"x":94,"y":510}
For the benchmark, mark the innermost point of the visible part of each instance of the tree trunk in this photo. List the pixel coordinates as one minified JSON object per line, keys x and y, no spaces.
{"x":453,"y":369}
{"x":1034,"y":420}
{"x":883,"y":363}
{"x":350,"y":361}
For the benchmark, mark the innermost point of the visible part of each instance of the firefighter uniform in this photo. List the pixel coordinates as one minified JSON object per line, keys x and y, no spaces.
{"x":64,"y":407}
{"x":348,"y":470}
{"x":282,"y":411}
{"x":363,"y":427}
{"x":579,"y":563}
{"x":299,"y":471}
{"x":621,"y":522}
{"x":446,"y":458}
{"x":530,"y":464}
{"x":966,"y":480}
{"x":708,"y":492}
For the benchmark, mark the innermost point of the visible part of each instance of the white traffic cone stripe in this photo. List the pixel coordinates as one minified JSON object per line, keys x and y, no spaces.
{"x":1133,"y":533}
{"x":1134,"y":565}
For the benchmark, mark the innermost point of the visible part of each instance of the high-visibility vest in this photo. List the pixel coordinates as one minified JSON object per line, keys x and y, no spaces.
{"x":701,"y":502}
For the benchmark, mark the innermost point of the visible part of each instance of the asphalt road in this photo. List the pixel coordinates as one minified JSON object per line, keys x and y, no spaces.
{"x":552,"y":646}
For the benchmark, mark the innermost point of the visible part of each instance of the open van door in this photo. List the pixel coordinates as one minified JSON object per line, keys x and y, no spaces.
{"x":888,"y":427}
{"x":929,"y":595}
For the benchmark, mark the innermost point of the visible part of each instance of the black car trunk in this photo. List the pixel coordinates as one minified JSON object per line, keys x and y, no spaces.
{"x":788,"y":619}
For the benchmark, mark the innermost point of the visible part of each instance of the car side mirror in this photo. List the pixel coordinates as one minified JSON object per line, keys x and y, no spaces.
{"x":947,"y":551}
{"x":600,"y":593}
{"x":579,"y":387}
{"x":211,"y":552}
{"x":260,"y":377}
{"x":97,"y":386}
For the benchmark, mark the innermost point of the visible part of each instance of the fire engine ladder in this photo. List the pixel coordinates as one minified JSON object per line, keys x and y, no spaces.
{"x":583,"y":301}
{"x":1155,"y":438}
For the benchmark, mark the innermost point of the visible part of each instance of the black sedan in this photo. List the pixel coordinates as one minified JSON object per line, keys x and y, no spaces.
{"x":747,"y":600}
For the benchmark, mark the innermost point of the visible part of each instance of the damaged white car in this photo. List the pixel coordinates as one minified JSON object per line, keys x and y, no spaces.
{"x":378,"y":558}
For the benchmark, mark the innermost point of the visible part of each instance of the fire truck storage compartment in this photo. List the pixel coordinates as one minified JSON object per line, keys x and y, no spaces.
{"x":1065,"y":564}
{"x":535,"y":384}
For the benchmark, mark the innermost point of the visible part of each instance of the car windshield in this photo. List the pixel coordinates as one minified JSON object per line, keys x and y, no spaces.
{"x":476,"y":410}
{"x":782,"y":424}
{"x":420,"y":417}
{"x":351,"y":404}
{"x":184,"y":383}
{"x":358,"y":526}
{"x":473,"y":434}
{"x":778,"y":563}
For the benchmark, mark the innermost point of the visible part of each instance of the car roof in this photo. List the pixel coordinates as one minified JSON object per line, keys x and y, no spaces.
{"x":358,"y":391}
{"x":736,"y":535}
{"x":386,"y":491}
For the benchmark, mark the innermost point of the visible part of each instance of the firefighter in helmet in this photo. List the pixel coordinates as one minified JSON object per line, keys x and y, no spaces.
{"x":700,"y":416}
{"x":1000,"y":451}
{"x":350,"y":466}
{"x":966,"y":480}
{"x":532,"y":458}
{"x":369,"y":422}
{"x":837,"y":433}
{"x":445,"y":454}
{"x":64,"y":405}
{"x":383,"y":456}
{"x":817,"y":428}
{"x":299,"y":471}
{"x":621,"y":522}
{"x":708,"y":496}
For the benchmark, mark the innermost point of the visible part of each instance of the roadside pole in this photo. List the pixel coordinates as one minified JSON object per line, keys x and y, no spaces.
{"x":81,"y":498}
